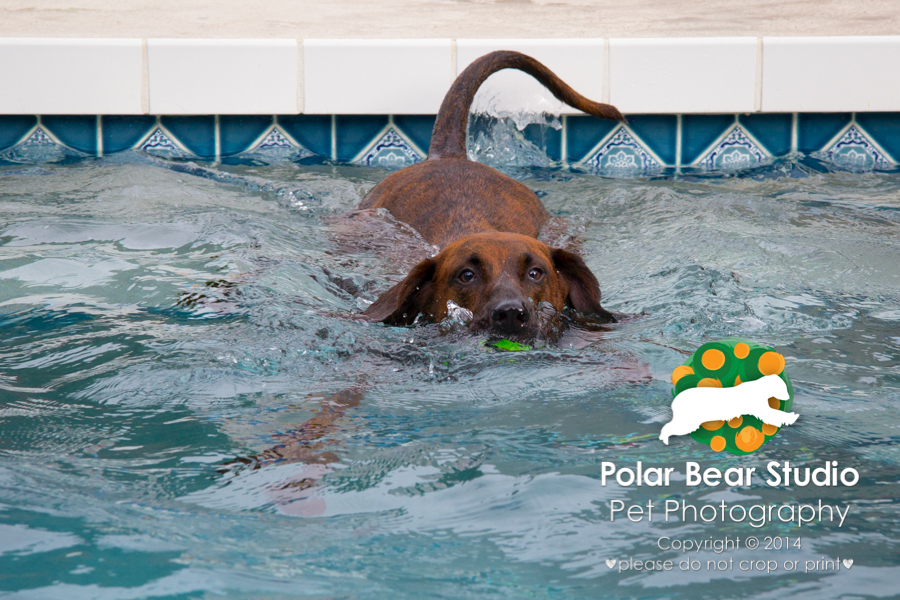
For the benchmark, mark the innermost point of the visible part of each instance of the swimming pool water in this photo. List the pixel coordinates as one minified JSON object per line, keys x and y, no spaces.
{"x":159,"y":319}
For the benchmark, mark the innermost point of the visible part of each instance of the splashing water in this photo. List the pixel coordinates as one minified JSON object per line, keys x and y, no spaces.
{"x":501,"y":143}
{"x":518,"y":97}
{"x":510,"y":120}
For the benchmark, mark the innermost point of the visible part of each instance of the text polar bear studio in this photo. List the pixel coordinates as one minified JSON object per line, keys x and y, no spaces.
{"x":695,"y":406}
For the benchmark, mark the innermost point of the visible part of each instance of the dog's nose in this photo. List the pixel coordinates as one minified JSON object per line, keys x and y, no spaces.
{"x":509,"y":317}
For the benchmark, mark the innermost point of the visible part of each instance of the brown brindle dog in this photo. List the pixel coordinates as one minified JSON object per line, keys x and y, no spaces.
{"x":491,"y":263}
{"x":486,"y":224}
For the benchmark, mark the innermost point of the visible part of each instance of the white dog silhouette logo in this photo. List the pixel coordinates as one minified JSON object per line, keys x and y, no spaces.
{"x":695,"y":406}
{"x":731,"y":395}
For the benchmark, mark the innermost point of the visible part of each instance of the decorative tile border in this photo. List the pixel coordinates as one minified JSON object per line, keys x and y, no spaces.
{"x":622,"y":153}
{"x":855,"y":150}
{"x":647,"y":144}
{"x":214,"y":99}
{"x":390,"y":150}
{"x":159,"y":141}
{"x":736,"y":150}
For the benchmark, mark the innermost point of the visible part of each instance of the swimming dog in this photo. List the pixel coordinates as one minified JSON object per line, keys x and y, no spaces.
{"x":695,"y":406}
{"x":486,"y":225}
{"x":491,"y":270}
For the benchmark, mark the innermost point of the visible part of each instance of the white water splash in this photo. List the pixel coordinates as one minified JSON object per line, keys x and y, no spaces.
{"x":501,"y":143}
{"x":519,"y":97}
{"x":458,"y":313}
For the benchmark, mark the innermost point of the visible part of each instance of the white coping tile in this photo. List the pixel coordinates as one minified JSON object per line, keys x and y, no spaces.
{"x":375,"y":76}
{"x":190,"y":77}
{"x":578,"y":62}
{"x":829,"y":74}
{"x":70,"y":76}
{"x":683,"y":75}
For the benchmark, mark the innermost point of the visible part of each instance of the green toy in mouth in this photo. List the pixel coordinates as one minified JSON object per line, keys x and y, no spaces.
{"x":508,"y":345}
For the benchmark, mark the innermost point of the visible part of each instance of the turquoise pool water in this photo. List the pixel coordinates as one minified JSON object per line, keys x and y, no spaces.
{"x":160,"y":319}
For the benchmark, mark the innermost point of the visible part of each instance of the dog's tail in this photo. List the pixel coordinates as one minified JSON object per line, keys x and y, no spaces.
{"x":449,"y":136}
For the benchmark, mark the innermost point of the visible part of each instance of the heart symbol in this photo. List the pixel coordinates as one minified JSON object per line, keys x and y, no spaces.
{"x":611,"y":562}
{"x":848,"y":562}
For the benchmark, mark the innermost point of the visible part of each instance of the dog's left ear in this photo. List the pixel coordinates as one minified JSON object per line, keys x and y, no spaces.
{"x":401,"y":304}
{"x":584,"y":291}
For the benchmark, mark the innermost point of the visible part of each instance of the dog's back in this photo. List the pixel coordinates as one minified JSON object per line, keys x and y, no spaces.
{"x":448,"y":196}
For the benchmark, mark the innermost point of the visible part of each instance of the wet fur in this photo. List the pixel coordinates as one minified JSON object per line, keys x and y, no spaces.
{"x":478,"y":218}
{"x":481,"y":218}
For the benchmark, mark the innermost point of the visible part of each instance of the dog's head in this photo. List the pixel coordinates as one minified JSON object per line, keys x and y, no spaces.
{"x":777,"y":387}
{"x":513,"y":286}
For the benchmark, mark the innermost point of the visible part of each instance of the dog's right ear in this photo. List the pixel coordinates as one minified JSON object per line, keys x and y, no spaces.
{"x":401,"y":304}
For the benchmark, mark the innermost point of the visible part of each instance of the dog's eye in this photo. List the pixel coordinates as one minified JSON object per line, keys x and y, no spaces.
{"x":535,"y":274}
{"x":467,"y":276}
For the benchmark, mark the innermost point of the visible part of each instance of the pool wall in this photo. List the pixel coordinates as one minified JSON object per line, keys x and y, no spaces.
{"x":691,"y":103}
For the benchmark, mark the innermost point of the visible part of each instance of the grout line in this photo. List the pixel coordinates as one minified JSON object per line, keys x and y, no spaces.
{"x":759,"y":73}
{"x":300,"y":82}
{"x":99,"y":136}
{"x":333,"y":137}
{"x":564,"y":142}
{"x":452,"y":59}
{"x":794,"y":133}
{"x":606,"y":77}
{"x":145,"y":78}
{"x":218,"y":140}
{"x":678,"y":143}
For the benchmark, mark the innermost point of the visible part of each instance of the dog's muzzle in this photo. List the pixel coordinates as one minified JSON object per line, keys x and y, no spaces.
{"x":511,"y":317}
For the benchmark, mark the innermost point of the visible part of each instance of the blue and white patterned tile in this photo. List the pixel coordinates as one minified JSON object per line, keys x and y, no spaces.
{"x":736,"y":150}
{"x":853,"y":150}
{"x":39,"y":147}
{"x":275,"y":146}
{"x":883,"y":129}
{"x":275,"y":139}
{"x":622,"y":154}
{"x":14,"y":128}
{"x":391,"y":151}
{"x":161,"y":143}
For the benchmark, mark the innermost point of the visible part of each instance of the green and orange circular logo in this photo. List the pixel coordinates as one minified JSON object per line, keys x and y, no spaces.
{"x":725,"y":364}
